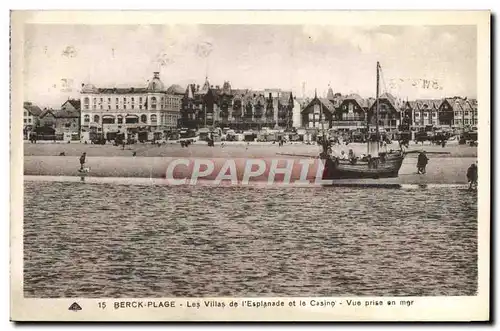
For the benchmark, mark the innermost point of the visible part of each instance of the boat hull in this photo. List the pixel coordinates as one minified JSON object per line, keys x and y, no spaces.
{"x":382,"y":168}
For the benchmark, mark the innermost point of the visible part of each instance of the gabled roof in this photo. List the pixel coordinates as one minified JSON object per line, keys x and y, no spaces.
{"x":67,"y":113}
{"x":32,"y":109}
{"x":431,"y":103}
{"x":459,"y":103}
{"x":363,"y":103}
{"x":389,"y":97}
{"x":322,"y":101}
{"x":61,"y":113}
{"x":73,"y":102}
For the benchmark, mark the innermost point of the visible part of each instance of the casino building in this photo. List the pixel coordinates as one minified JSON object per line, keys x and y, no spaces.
{"x":141,"y":113}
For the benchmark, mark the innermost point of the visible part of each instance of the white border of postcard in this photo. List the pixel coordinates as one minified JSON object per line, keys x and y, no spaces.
{"x":467,"y":308}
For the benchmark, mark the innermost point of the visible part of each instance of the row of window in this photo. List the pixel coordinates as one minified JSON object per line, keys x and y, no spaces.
{"x":169,"y":101}
{"x":459,"y":113}
{"x":434,"y":115}
{"x":466,"y":121}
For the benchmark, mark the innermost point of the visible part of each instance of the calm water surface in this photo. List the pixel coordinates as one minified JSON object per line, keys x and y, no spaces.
{"x":109,"y":240}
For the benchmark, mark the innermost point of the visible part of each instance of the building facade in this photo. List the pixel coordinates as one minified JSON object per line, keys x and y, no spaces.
{"x":31,"y":118}
{"x":241,"y":109}
{"x":461,"y":112}
{"x":142,"y":113}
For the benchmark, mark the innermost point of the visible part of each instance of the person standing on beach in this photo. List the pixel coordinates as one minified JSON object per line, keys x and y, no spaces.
{"x":422,"y":162}
{"x":82,"y":160}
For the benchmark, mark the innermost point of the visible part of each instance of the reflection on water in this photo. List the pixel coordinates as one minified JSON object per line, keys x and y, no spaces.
{"x":108,"y":240}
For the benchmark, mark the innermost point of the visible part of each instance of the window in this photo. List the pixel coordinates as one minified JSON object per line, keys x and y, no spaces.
{"x":101,"y":106}
{"x":86,"y":103}
{"x":132,"y":106}
{"x":29,"y":120}
{"x":466,"y":113}
{"x":140,"y":106}
{"x":466,"y":121}
{"x":116,"y":100}
{"x":116,"y":106}
{"x":109,"y":99}
{"x":94,"y":106}
{"x":124,"y":106}
{"x":96,"y":118}
{"x":94,"y":100}
{"x":108,"y":120}
{"x":24,"y":121}
{"x":109,"y":107}
{"x":144,"y":119}
{"x":140,"y":99}
{"x":86,"y":118}
{"x":120,"y":119}
{"x":132,"y":99}
{"x":25,"y":113}
{"x":153,"y":103}
{"x":153,"y":119}
{"x":101,"y":100}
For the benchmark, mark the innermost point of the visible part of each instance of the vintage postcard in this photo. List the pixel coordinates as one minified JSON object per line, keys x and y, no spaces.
{"x":250,"y":166}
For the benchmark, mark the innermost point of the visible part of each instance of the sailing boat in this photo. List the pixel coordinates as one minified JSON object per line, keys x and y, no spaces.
{"x":376,"y":164}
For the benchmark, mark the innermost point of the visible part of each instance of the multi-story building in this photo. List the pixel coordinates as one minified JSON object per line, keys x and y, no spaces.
{"x":142,"y":113}
{"x":237,"y":108}
{"x":350,"y":113}
{"x":31,"y":116}
{"x":461,"y":112}
{"x":63,"y":124}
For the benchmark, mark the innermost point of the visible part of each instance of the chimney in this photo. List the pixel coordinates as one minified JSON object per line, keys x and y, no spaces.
{"x":197,"y":87}
{"x":156,"y":74}
{"x":83,"y":84}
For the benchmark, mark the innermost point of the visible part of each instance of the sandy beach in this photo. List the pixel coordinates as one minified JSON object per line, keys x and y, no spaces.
{"x":228,"y":149}
{"x":152,"y":161}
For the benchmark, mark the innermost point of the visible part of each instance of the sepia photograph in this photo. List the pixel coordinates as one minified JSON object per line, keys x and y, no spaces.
{"x":206,"y":166}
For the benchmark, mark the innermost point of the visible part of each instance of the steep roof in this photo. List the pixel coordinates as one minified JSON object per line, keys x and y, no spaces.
{"x":389,"y":97}
{"x":322,"y":101}
{"x":61,"y":113}
{"x":460,"y":104}
{"x":32,"y":109}
{"x":431,"y":103}
{"x":73,"y":102}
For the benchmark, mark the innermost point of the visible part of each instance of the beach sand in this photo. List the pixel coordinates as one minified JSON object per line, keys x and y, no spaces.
{"x":229,"y":149}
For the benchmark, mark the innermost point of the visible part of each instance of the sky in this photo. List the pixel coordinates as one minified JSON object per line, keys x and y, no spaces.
{"x":416,"y":61}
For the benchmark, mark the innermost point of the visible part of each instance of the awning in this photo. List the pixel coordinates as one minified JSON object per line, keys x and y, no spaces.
{"x":131,"y":116}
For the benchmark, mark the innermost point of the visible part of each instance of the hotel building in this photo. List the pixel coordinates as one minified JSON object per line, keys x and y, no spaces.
{"x":142,"y":113}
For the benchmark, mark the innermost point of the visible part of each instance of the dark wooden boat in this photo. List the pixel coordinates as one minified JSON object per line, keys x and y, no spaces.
{"x":385,"y":166}
{"x":380,"y":165}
